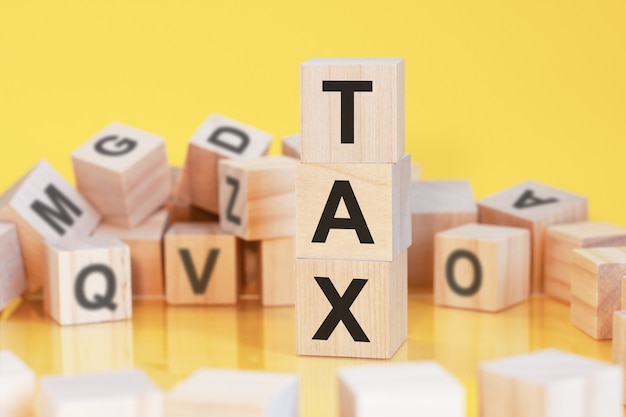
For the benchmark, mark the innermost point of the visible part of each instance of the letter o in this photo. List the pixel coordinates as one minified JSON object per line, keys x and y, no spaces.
{"x":451,"y":279}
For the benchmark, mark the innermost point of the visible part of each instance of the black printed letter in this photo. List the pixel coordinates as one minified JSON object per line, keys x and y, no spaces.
{"x":231,"y":203}
{"x":215,"y":139}
{"x":478,"y":273}
{"x":528,"y":199}
{"x":347,"y":89}
{"x":59,"y":212}
{"x":99,"y":301}
{"x":199,"y":285}
{"x":124,"y":146}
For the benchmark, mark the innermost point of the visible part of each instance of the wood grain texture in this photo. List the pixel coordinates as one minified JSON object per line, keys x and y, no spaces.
{"x":383,"y":195}
{"x":378,"y":115}
{"x":146,"y":252}
{"x":234,"y":393}
{"x":70,"y":258}
{"x":200,"y":171}
{"x":278,"y":271}
{"x":596,"y":279}
{"x":422,"y":388}
{"x":291,"y":146}
{"x":200,"y":240}
{"x":436,"y":205}
{"x":16,"y":206}
{"x":17,"y":386}
{"x":561,"y":240}
{"x":122,"y":171}
{"x":500,"y":209}
{"x":12,"y":273}
{"x":619,"y":344}
{"x":380,"y":307}
{"x":257,"y":197}
{"x":503,"y":254}
{"x":250,"y":274}
{"x":550,"y":383}
{"x":127,"y":393}
{"x":623,"y":307}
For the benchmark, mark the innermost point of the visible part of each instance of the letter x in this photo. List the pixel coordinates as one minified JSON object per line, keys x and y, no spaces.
{"x":341,"y":309}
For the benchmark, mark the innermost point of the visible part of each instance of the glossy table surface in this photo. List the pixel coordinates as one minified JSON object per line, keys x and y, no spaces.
{"x":171,"y":342}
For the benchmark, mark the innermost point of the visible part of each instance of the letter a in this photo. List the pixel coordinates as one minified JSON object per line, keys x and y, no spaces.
{"x":528,"y":199}
{"x":342,"y":190}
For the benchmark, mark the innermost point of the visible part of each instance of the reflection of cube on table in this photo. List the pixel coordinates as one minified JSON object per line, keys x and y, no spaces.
{"x":550,"y":383}
{"x":400,"y":390}
{"x":482,"y":267}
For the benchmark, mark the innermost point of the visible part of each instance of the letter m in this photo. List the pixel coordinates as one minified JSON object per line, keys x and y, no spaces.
{"x":59,"y":213}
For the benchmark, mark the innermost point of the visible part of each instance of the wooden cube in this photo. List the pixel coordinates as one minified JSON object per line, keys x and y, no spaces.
{"x":12,"y":274}
{"x":89,"y":280}
{"x":482,"y":267}
{"x":291,"y":146}
{"x":562,"y":239}
{"x":250,"y":273}
{"x":435,"y":206}
{"x":200,"y":264}
{"x":352,"y":110}
{"x":146,"y":252}
{"x":218,"y":137}
{"x":623,"y":293}
{"x":127,"y":393}
{"x":403,"y":389}
{"x":224,"y":392}
{"x":123,"y":172}
{"x":596,"y":280}
{"x":534,"y":206}
{"x":278,"y":271}
{"x":351,"y":308}
{"x":17,"y":386}
{"x":257,"y":197}
{"x":42,"y":205}
{"x":619,"y":344}
{"x":550,"y":383}
{"x":353,"y":211}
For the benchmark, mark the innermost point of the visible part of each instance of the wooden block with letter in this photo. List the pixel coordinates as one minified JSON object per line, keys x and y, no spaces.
{"x":123,"y":172}
{"x":291,"y":146}
{"x":534,"y":206}
{"x":257,"y":197}
{"x":12,"y":274}
{"x":42,"y":205}
{"x":401,"y":390}
{"x":217,"y":138}
{"x":17,"y":386}
{"x":482,"y":267}
{"x":353,"y":211}
{"x":550,"y":383}
{"x":351,"y":308}
{"x":225,"y":392}
{"x":560,"y":242}
{"x":596,"y":278}
{"x":619,"y":343}
{"x":200,"y":264}
{"x":435,"y":206}
{"x":146,"y":252}
{"x":278,"y":271}
{"x":126,"y":393}
{"x":352,"y":110}
{"x":89,"y":280}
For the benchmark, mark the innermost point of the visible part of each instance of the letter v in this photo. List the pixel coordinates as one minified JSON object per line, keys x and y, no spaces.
{"x":199,"y":285}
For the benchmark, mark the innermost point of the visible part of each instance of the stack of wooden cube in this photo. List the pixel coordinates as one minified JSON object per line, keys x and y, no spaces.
{"x":353,"y":209}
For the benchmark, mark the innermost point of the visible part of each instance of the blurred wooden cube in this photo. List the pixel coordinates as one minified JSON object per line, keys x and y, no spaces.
{"x":482,"y":267}
{"x":596,"y":280}
{"x":534,"y":206}
{"x":560,"y":242}
{"x":291,"y":146}
{"x":43,"y":205}
{"x":619,"y":343}
{"x":17,"y":386}
{"x":217,"y":138}
{"x":403,"y":389}
{"x":257,"y":197}
{"x":200,"y":264}
{"x":89,"y":280}
{"x":550,"y":383}
{"x":352,"y":110}
{"x":146,"y":252}
{"x":226,"y":392}
{"x":12,"y":274}
{"x":127,"y":393}
{"x":278,"y":271}
{"x":123,"y":172}
{"x":435,"y":206}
